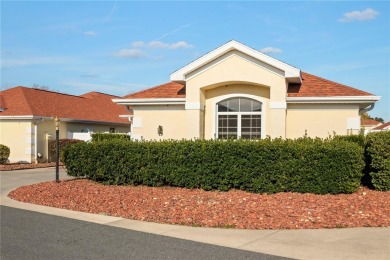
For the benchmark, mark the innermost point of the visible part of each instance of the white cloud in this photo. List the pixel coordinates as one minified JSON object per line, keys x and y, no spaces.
{"x":90,"y":33}
{"x":162,"y":45}
{"x":271,"y":50}
{"x":138,"y":47}
{"x":158,"y":45}
{"x":368,"y":14}
{"x":180,"y":44}
{"x":137,"y":44}
{"x":130,"y":53}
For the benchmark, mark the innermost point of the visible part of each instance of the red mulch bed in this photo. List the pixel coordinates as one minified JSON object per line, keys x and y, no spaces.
{"x":21,"y":166}
{"x":233,"y":209}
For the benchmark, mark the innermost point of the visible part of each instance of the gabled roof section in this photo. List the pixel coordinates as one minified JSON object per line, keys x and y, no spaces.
{"x":314,"y":86}
{"x":167,"y":90}
{"x":384,"y":126}
{"x":93,"y":106}
{"x":291,"y":73}
{"x":369,"y":122}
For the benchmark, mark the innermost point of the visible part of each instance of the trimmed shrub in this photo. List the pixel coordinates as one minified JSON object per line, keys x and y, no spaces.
{"x":360,"y":139}
{"x":263,"y":166}
{"x":4,"y":153}
{"x":378,"y":159}
{"x":98,"y":137}
{"x":63,"y":144}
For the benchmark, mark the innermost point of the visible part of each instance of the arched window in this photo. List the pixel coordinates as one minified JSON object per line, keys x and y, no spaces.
{"x":239,"y":118}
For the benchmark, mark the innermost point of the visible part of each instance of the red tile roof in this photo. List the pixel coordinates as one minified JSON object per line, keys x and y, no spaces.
{"x":314,"y":86}
{"x":167,"y":90}
{"x":370,"y":122}
{"x":383,"y":126}
{"x":93,"y":106}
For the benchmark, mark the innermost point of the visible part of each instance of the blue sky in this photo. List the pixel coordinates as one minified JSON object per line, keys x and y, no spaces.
{"x":119,"y":47}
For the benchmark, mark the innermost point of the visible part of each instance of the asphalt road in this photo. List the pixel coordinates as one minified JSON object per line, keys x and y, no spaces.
{"x":30,"y":235}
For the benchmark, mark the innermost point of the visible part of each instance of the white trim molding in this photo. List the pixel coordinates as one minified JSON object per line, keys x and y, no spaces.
{"x":24,"y":117}
{"x":291,"y":73}
{"x":150,"y":101}
{"x":337,"y":99}
{"x":277,"y":105}
{"x":28,"y":117}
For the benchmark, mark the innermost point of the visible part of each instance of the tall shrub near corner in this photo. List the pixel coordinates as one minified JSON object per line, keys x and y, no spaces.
{"x":378,"y":159}
{"x":4,"y":153}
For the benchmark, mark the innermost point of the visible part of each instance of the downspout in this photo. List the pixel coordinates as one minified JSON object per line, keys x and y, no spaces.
{"x":130,"y":118}
{"x":364,"y":110}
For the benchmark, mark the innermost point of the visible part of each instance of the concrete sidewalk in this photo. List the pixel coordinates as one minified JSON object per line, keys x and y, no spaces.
{"x":346,"y":243}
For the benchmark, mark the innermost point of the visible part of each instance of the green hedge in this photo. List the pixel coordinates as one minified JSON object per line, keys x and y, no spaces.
{"x":98,"y":137}
{"x":263,"y":166}
{"x":63,"y":143}
{"x":4,"y":153}
{"x":360,"y":139}
{"x":378,"y":159}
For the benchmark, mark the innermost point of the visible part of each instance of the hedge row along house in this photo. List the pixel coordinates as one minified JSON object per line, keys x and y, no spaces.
{"x":235,"y":91}
{"x":27,"y":119}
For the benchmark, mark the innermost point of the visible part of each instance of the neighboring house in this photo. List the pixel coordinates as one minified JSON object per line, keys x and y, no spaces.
{"x":237,"y":92}
{"x":382,"y":127}
{"x":369,"y":124}
{"x":27,"y":119}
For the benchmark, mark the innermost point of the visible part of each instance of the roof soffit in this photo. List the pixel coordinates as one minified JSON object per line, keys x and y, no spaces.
{"x":291,"y":73}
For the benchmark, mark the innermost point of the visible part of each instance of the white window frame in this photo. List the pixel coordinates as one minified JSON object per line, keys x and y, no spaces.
{"x":229,"y":96}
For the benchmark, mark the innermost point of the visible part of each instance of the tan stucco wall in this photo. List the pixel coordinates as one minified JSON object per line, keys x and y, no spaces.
{"x":171,"y":117}
{"x":243,"y":75}
{"x":319,"y":120}
{"x":18,"y":136}
{"x":212,"y":95}
{"x":236,"y":67}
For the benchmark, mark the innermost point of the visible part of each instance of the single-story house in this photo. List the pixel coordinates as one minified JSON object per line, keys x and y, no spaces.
{"x":27,"y":119}
{"x":235,"y":91}
{"x":382,"y":127}
{"x":369,"y":124}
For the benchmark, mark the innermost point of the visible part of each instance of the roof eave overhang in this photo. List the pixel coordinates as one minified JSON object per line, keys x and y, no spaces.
{"x":73,"y":120}
{"x":335,"y":99}
{"x":149,"y":101}
{"x":292,"y":74}
{"x":23,"y":117}
{"x":63,"y":119}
